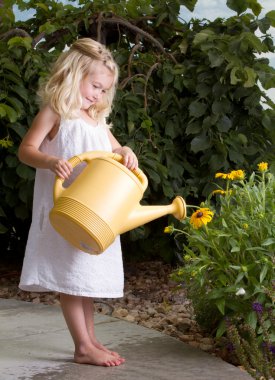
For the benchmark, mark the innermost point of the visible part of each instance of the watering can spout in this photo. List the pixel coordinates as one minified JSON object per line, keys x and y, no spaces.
{"x":144,"y":214}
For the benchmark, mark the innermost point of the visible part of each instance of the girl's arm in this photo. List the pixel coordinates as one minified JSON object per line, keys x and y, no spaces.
{"x":129,"y":158}
{"x":45,"y":122}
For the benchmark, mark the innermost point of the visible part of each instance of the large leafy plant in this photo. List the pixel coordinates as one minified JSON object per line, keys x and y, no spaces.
{"x":188,"y":100}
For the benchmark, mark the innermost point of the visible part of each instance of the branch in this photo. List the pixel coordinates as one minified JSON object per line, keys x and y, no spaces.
{"x":37,"y":39}
{"x":14,"y":33}
{"x":118,"y":20}
{"x":135,"y":48}
{"x":152,"y":68}
{"x":128,"y":79}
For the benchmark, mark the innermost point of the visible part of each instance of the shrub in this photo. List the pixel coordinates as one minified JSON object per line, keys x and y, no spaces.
{"x":228,"y":250}
{"x":188,"y":101}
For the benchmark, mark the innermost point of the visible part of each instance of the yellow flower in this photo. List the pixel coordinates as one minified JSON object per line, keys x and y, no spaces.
{"x":221,"y":175}
{"x":222,"y":192}
{"x":263,"y":166}
{"x":201,"y":217}
{"x":168,"y":230}
{"x":236,"y":175}
{"x":233,"y":175}
{"x":245,"y":226}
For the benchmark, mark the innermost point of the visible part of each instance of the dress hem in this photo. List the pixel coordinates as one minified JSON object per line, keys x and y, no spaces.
{"x":37,"y":288}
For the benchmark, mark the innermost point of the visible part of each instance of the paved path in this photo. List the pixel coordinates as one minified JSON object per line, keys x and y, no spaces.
{"x":35,"y":345}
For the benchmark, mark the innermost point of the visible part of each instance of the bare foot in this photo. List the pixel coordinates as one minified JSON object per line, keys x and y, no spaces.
{"x":100,"y":346}
{"x":92,"y":355}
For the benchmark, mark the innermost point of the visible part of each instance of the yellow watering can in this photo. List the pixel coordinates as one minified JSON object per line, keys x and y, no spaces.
{"x":103,"y":202}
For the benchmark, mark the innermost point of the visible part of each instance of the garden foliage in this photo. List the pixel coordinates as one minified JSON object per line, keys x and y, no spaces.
{"x":228,"y":251}
{"x":188,"y":100}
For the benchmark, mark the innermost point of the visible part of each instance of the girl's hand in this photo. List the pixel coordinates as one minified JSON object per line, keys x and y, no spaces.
{"x":129,"y":158}
{"x":62,"y":168}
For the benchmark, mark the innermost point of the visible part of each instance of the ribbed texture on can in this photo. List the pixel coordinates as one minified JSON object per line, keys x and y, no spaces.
{"x":75,"y":161}
{"x":85,"y":218}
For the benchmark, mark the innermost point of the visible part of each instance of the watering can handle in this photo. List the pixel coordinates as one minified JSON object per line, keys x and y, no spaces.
{"x":89,"y":156}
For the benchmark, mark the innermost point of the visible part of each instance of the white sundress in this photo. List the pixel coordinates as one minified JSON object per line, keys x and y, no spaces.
{"x":51,"y":263}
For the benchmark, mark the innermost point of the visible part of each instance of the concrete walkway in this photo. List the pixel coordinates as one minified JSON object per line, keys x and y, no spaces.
{"x":35,"y":345}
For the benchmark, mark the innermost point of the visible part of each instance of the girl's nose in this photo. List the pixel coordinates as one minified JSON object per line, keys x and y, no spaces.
{"x":98,"y":94}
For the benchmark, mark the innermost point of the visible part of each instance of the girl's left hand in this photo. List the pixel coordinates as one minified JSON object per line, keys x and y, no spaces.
{"x":129,"y":158}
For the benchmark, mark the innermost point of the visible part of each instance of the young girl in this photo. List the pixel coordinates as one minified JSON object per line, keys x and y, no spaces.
{"x":77,"y":100}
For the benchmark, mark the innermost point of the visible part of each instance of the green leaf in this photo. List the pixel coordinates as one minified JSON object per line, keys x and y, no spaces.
{"x":3,"y":229}
{"x":6,"y":110}
{"x":203,"y":90}
{"x":215,"y":58}
{"x":167,"y":77}
{"x":203,"y":36}
{"x":197,"y":109}
{"x":189,"y":4}
{"x":21,"y":212}
{"x":224,"y":124}
{"x":48,"y":28}
{"x":236,"y":157}
{"x":152,"y":175}
{"x":183,"y":46}
{"x":251,"y":77}
{"x":12,"y":161}
{"x":220,"y":303}
{"x":7,"y":64}
{"x":216,"y":162}
{"x":21,"y":91}
{"x":2,"y":212}
{"x":170,"y":129}
{"x":19,"y":129}
{"x":161,"y":17}
{"x":220,"y":107}
{"x":268,"y":242}
{"x":251,"y":319}
{"x":221,"y":328}
{"x":215,"y":293}
{"x":238,"y":6}
{"x":253,"y":41}
{"x":200,"y":143}
{"x":42,"y":6}
{"x":271,"y":17}
{"x":25,"y":172}
{"x":25,"y":42}
{"x":263,"y":273}
{"x":239,"y":277}
{"x":235,"y":75}
{"x":255,"y":7}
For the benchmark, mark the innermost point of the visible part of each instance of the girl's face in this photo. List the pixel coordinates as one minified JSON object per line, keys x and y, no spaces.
{"x":95,"y":84}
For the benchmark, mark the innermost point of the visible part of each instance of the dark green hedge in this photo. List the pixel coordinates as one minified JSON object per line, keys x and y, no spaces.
{"x":188,"y":100}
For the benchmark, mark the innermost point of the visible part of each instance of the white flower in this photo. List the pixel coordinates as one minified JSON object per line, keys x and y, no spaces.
{"x":240,"y":292}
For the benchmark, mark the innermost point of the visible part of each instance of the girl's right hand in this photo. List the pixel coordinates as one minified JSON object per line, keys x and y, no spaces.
{"x":61,"y":167}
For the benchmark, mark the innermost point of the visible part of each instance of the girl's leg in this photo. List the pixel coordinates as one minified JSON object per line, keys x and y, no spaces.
{"x":85,"y":351}
{"x":88,"y":307}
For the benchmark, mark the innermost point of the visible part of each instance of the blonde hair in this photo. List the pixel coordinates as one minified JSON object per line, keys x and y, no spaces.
{"x":62,"y":91}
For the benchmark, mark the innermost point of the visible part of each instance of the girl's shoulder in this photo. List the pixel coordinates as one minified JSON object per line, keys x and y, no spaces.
{"x":46,"y":122}
{"x":47,"y":113}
